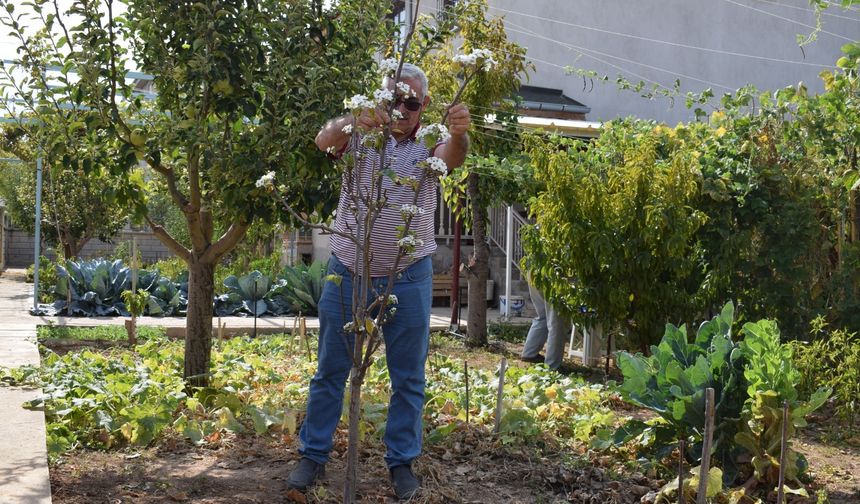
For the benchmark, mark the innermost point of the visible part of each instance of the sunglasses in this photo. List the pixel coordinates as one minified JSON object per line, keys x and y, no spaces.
{"x":412,"y":104}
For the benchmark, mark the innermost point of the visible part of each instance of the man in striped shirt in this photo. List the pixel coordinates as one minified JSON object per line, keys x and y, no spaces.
{"x":407,"y":333}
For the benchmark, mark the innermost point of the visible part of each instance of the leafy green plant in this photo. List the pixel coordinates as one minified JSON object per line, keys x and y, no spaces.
{"x":47,"y":278}
{"x":95,"y":287}
{"x":132,"y":397}
{"x":268,"y":265}
{"x":669,"y":492}
{"x":537,"y":402}
{"x":172,"y":268}
{"x":136,"y":303}
{"x":772,"y":379}
{"x":628,"y":201}
{"x":672,"y":383}
{"x":167,"y":298}
{"x":245,"y":295}
{"x":831,"y":359}
{"x":298,"y":289}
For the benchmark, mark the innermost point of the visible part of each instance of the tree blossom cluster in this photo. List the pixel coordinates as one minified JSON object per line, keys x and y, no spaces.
{"x":267,"y":180}
{"x":438,"y":133}
{"x":382,"y":95}
{"x":358,"y":102}
{"x":484,"y":56}
{"x":437,"y":165}
{"x":404,"y":89}
{"x":411,"y":210}
{"x":410,"y":242}
{"x":388,"y":65}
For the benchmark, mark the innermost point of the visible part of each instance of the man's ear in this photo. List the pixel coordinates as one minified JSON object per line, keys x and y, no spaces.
{"x":426,"y":103}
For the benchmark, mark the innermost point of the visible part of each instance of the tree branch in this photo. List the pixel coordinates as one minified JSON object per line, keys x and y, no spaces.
{"x":199,"y":243}
{"x":194,"y":179}
{"x":170,"y":178}
{"x":171,"y":243}
{"x":328,"y":229}
{"x":225,"y":243}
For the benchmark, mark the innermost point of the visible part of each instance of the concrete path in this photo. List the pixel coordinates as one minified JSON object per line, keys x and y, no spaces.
{"x":24,"y":475}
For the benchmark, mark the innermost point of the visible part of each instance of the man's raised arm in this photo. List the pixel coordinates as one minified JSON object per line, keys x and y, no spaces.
{"x":332,"y":137}
{"x":454,"y":151}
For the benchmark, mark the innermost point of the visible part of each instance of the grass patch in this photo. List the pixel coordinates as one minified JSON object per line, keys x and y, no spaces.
{"x":507,"y":331}
{"x":100,"y":333}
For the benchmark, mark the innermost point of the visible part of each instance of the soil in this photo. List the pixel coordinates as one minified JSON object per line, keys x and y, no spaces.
{"x":833,"y":450}
{"x":466,"y":468}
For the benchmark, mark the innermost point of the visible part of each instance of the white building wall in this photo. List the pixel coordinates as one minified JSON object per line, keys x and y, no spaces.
{"x":546,"y":28}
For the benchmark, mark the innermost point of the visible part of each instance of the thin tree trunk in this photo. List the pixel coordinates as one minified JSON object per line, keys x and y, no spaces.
{"x":355,"y":382}
{"x":198,"y":323}
{"x":480,"y":268}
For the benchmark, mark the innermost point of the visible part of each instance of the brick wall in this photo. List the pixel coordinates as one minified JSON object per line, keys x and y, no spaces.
{"x":19,"y":248}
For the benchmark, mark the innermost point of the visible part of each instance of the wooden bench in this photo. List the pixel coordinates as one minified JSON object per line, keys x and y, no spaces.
{"x":442,"y":287}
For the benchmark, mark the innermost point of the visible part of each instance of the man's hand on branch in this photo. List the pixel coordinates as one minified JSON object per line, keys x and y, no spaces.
{"x":459,"y":120}
{"x":370,"y":120}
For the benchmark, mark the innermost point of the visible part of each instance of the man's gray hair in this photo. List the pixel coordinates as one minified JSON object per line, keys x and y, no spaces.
{"x":414,"y":72}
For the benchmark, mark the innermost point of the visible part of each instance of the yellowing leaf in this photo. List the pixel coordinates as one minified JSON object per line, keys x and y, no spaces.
{"x":369,"y":325}
{"x":290,"y":420}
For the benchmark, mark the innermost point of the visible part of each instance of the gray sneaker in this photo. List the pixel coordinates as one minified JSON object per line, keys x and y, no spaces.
{"x":406,"y":485}
{"x":305,"y":474}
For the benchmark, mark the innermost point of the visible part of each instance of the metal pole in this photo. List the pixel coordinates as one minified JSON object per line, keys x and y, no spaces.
{"x":134,"y":263}
{"x":455,"y":279}
{"x":255,"y":309}
{"x":509,"y":260}
{"x":37,"y":239}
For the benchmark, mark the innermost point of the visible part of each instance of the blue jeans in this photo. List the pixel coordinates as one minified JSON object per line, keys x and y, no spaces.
{"x":548,"y":328}
{"x":407,"y":336}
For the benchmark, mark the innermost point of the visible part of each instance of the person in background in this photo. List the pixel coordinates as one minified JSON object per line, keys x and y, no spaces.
{"x":548,"y":328}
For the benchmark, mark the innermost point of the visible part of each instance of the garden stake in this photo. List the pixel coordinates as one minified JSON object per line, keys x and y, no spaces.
{"x":704,"y":468}
{"x":466,"y":372}
{"x":303,"y":329}
{"x":502,"y":367}
{"x":295,"y":333}
{"x":681,"y":498}
{"x":783,"y":449}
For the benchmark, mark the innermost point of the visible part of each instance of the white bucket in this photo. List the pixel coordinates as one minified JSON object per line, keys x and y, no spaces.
{"x":517,"y":305}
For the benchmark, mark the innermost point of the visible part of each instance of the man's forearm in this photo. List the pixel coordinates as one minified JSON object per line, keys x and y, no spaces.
{"x":454,"y":151}
{"x":332,"y":136}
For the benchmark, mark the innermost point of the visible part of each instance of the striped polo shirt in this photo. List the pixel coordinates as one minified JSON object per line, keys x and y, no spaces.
{"x":401,"y":157}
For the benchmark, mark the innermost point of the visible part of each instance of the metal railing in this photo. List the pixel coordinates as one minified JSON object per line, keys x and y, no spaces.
{"x":499,"y":229}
